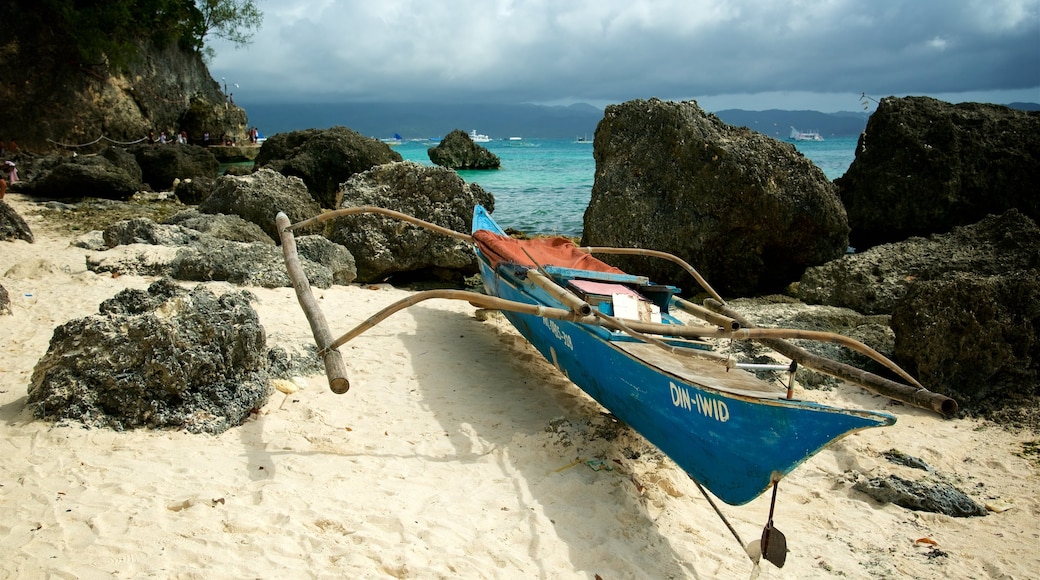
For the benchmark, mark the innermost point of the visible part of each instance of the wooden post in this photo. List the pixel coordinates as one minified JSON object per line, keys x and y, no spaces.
{"x":335,"y":369}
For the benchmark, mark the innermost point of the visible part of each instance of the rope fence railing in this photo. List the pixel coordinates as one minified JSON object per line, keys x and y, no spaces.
{"x":96,"y":141}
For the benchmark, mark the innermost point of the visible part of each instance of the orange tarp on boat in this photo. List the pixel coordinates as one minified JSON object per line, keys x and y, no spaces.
{"x":546,"y":251}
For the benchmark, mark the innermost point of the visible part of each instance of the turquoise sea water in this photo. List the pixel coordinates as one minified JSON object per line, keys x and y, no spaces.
{"x":545,"y":185}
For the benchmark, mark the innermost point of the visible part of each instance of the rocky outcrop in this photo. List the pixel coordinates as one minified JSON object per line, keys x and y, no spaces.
{"x":964,"y":306}
{"x":209,"y":121}
{"x":141,"y":246}
{"x":937,"y":497}
{"x":457,"y":151}
{"x":12,"y":226}
{"x":193,"y":191}
{"x":384,"y":247}
{"x":259,"y":197}
{"x":225,"y":227}
{"x":5,"y":301}
{"x":750,"y":213}
{"x":162,"y":358}
{"x":974,"y":337}
{"x":86,"y":176}
{"x":48,"y":100}
{"x":162,"y":165}
{"x":924,"y":166}
{"x":323,"y":158}
{"x":874,"y":281}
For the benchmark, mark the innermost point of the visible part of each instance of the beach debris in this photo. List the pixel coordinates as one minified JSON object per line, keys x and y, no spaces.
{"x":999,"y":506}
{"x":597,"y":464}
{"x":285,"y":387}
{"x":925,"y":541}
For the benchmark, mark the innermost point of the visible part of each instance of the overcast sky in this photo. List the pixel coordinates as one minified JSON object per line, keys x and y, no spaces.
{"x":748,"y":54}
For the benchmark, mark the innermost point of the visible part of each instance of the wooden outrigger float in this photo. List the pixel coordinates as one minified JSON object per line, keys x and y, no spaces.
{"x":614,"y":335}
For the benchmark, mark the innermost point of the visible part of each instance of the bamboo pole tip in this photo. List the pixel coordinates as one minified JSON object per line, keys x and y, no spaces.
{"x":339,"y":385}
{"x":947,"y":406}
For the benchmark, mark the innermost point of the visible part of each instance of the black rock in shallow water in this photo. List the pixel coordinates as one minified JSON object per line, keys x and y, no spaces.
{"x":162,"y":358}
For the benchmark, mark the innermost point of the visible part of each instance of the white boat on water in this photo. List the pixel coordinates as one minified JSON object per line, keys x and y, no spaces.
{"x":797,"y":135}
{"x":478,"y":137}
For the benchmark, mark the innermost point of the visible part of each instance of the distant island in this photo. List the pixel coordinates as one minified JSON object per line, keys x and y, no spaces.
{"x":500,"y":122}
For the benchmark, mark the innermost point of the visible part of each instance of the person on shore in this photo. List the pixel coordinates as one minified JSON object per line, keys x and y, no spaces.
{"x":11,"y":171}
{"x":162,"y":137}
{"x":182,"y":137}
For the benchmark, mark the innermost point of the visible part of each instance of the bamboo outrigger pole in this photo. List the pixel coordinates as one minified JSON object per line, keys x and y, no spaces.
{"x":335,"y":369}
{"x":916,"y":394}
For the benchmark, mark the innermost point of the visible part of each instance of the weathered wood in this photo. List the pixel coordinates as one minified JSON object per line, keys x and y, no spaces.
{"x":915,"y":395}
{"x":330,"y":215}
{"x":335,"y":368}
{"x":662,"y":255}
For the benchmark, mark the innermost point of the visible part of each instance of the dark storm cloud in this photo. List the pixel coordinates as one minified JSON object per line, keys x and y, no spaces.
{"x":611,"y":50}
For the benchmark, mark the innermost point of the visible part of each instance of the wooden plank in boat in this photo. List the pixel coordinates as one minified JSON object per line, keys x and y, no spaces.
{"x":704,"y":372}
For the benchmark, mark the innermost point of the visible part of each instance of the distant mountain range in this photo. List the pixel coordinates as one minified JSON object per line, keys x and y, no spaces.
{"x":423,"y":121}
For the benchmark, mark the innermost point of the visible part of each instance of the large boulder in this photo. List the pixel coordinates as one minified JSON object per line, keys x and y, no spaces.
{"x":259,"y":196}
{"x":383,"y":247}
{"x":458,"y":151}
{"x":975,"y":338}
{"x":124,"y":160}
{"x":324,"y":158}
{"x":162,"y":358}
{"x":12,"y":226}
{"x":874,"y":281}
{"x":749,"y":212}
{"x":193,"y":191}
{"x":85,"y":176}
{"x":924,"y":166}
{"x":162,"y":165}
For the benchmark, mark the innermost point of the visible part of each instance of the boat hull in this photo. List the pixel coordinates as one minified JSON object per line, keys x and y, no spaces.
{"x":735,"y":445}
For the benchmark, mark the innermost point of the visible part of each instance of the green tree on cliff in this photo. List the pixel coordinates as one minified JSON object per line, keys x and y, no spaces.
{"x":110,"y":32}
{"x":233,"y":20}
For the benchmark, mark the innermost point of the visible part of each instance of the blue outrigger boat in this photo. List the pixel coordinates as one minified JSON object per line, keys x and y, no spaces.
{"x":616,"y":336}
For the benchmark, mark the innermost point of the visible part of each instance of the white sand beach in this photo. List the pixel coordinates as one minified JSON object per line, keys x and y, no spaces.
{"x":457,"y":453}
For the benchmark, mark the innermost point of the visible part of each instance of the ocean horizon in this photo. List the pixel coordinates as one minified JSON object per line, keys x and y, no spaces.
{"x":544,"y":185}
